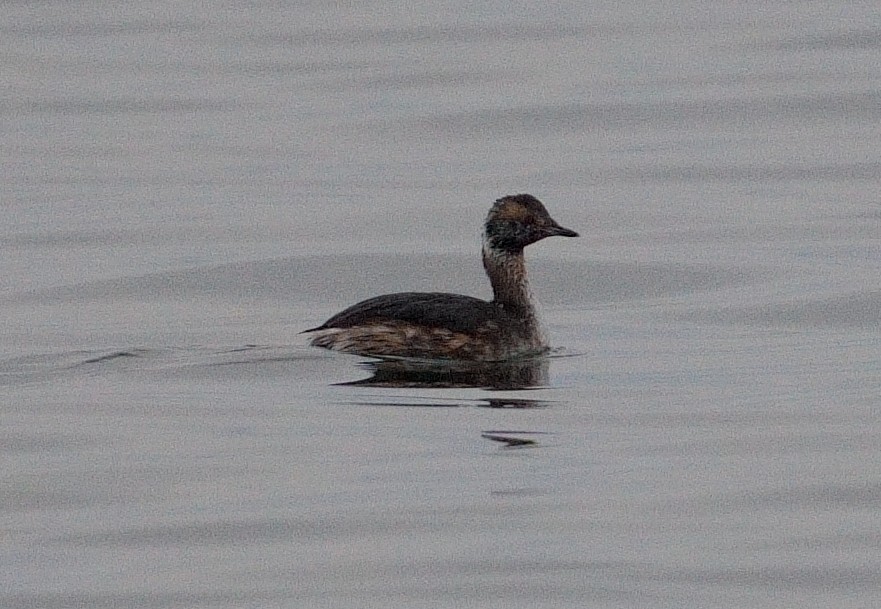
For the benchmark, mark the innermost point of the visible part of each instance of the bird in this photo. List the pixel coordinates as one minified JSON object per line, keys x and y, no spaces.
{"x":441,"y":326}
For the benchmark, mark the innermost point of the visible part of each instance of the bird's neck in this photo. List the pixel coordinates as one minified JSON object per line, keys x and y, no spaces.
{"x":507,"y":274}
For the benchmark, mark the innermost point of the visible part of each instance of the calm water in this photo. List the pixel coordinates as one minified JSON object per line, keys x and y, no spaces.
{"x":184,"y":191}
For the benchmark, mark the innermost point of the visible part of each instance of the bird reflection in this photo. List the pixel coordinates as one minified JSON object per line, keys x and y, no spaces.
{"x":519,"y":374}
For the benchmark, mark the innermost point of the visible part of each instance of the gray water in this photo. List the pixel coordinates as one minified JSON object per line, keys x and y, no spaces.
{"x":187,"y":187}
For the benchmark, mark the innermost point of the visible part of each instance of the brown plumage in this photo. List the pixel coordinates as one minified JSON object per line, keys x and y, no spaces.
{"x":450,"y":326}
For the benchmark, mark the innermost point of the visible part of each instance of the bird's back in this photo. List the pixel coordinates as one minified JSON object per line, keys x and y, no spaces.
{"x":453,"y":312}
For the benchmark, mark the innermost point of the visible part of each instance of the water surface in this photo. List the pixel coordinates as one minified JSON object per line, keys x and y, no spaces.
{"x":186,"y":190}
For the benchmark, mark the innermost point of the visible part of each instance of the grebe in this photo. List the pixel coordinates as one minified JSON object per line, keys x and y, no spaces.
{"x":449,"y":326}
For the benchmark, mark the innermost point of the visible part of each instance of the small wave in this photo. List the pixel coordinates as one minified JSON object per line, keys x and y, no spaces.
{"x":106,"y":357}
{"x":48,"y":366}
